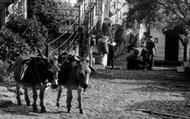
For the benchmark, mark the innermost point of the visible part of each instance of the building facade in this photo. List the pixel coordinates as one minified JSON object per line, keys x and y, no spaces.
{"x":114,"y":10}
{"x":4,"y":10}
{"x":90,"y":11}
{"x":18,"y":7}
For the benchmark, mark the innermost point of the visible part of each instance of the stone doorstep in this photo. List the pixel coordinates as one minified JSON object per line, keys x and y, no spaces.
{"x":183,"y":67}
{"x":98,"y":66}
{"x":180,"y":69}
{"x":163,"y":68}
{"x":101,"y":67}
{"x":186,"y":64}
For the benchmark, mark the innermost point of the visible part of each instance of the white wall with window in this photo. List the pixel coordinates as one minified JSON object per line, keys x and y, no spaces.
{"x":19,"y":7}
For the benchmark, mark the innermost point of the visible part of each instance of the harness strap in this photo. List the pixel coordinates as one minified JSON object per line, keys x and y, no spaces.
{"x":24,"y":68}
{"x":23,"y":71}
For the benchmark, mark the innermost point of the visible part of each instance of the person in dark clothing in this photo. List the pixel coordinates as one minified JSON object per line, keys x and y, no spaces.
{"x":111,"y":54}
{"x":150,"y":45}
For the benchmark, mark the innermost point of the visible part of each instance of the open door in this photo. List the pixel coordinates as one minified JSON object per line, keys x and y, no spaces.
{"x":171,"y":46}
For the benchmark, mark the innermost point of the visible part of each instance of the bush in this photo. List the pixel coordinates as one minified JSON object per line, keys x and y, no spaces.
{"x":11,"y":44}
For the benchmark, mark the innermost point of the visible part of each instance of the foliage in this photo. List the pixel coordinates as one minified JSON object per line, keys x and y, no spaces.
{"x":141,"y":11}
{"x":12,"y":44}
{"x":165,"y":14}
{"x":51,"y":14}
{"x":45,"y":12}
{"x":42,"y":25}
{"x":28,"y":29}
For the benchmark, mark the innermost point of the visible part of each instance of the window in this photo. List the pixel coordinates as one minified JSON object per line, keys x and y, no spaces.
{"x":98,"y":7}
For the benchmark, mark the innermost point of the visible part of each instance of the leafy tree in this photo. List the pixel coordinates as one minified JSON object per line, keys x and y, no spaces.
{"x":28,"y":29}
{"x":45,"y":13}
{"x":160,"y":13}
{"x":41,"y":26}
{"x":166,"y":14}
{"x":12,"y":45}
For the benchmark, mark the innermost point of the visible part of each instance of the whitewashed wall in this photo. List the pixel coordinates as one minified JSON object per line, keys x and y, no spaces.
{"x":161,"y":45}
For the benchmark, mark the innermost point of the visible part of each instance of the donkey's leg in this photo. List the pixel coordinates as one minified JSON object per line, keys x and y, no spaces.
{"x":69,"y":99}
{"x":35,"y":96}
{"x":26,"y":96}
{"x":59,"y":95}
{"x":42,"y":90}
{"x":18,"y":93}
{"x":79,"y":91}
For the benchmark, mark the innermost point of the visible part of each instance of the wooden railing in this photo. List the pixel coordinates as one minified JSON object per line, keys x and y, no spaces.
{"x":66,"y":40}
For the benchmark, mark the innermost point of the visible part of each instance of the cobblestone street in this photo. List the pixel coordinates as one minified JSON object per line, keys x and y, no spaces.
{"x":137,"y":51}
{"x":122,"y":94}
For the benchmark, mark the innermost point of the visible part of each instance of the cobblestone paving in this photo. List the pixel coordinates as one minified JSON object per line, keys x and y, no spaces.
{"x":117,"y":94}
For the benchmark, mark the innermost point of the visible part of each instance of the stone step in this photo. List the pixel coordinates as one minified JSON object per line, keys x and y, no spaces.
{"x":97,"y":66}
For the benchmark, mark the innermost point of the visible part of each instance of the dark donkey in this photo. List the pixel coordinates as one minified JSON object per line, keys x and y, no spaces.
{"x":74,"y":75}
{"x":34,"y":72}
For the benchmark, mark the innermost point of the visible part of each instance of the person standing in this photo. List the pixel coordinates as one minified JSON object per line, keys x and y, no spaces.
{"x":111,"y":45}
{"x":150,"y":45}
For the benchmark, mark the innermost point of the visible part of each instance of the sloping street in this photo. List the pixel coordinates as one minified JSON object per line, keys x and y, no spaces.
{"x":122,"y":94}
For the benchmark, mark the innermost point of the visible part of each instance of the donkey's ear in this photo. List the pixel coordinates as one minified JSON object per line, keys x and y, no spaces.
{"x":77,"y":58}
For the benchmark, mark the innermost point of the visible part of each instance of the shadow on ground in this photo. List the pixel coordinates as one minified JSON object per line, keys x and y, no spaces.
{"x":165,"y":83}
{"x":162,"y":109}
{"x":18,"y":110}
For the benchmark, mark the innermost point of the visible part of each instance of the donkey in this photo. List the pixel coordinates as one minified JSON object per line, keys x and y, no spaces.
{"x":35,"y":73}
{"x":73,"y":75}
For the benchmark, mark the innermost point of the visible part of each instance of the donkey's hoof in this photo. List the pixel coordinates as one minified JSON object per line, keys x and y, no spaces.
{"x":35,"y":109}
{"x":19,"y":103}
{"x":28,"y":104}
{"x":43,"y":110}
{"x":68,"y":110}
{"x":57,"y":104}
{"x":81,"y":111}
